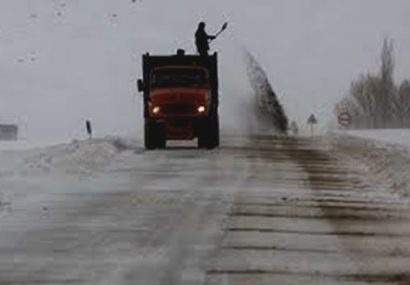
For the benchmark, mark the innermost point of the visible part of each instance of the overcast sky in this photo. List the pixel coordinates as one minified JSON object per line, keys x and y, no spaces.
{"x":62,"y":62}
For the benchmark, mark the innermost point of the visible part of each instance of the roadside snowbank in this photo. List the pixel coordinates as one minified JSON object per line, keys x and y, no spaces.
{"x":28,"y":177}
{"x":27,"y":144}
{"x":388,"y":163}
{"x":391,"y":136}
{"x":76,"y":158}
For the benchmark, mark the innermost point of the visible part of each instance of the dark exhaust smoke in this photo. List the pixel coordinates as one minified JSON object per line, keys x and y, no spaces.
{"x":268,"y":110}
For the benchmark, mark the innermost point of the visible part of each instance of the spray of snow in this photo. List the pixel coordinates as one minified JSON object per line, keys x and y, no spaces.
{"x":268,"y":111}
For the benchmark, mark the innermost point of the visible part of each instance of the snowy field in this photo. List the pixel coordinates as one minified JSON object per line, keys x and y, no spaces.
{"x":386,"y":154}
{"x":29,"y":171}
{"x":389,"y":136}
{"x":106,"y":212}
{"x":27,"y":144}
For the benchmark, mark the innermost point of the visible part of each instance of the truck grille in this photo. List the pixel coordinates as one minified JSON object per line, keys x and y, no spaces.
{"x":178,"y":109}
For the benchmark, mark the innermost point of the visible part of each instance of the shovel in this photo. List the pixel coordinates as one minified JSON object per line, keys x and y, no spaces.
{"x":224,"y":26}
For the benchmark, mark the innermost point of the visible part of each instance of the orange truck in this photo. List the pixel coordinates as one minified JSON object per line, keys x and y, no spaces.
{"x":180,"y":99}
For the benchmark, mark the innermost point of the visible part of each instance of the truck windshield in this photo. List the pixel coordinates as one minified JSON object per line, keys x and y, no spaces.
{"x":179,"y":77}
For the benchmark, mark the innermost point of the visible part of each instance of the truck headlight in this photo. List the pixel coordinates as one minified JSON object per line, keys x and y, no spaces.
{"x":201,"y":109}
{"x":156,"y":110}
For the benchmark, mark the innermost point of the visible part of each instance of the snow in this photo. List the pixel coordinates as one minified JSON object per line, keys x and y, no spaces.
{"x":104,"y":211}
{"x":30,"y":175}
{"x":385,"y":153}
{"x":390,"y":136}
{"x":78,"y":157}
{"x":27,"y":144}
{"x":121,"y":213}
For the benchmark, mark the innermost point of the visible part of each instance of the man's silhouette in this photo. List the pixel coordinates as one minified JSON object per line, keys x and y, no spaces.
{"x":202,"y":40}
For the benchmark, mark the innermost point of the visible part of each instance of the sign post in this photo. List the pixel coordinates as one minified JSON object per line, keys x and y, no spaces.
{"x":89,"y":129}
{"x":312,"y":121}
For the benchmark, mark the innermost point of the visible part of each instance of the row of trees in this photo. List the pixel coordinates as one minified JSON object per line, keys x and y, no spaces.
{"x":375,"y":101}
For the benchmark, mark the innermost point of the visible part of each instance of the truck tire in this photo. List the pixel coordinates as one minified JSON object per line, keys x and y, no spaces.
{"x":160,"y":136}
{"x":149,"y":135}
{"x":202,"y":140}
{"x":208,"y":135}
{"x":214,"y":132}
{"x":203,"y":134}
{"x":154,"y":136}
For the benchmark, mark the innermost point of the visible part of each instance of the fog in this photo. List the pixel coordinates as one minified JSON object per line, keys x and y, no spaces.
{"x":62,"y":62}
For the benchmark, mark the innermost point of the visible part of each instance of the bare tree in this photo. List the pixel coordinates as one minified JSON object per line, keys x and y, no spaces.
{"x":403,"y":99}
{"x":363,"y":92}
{"x":387,"y":62}
{"x":375,"y":100}
{"x":384,"y":93}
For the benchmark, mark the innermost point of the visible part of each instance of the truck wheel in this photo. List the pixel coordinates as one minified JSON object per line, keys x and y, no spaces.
{"x":202,"y":143}
{"x":213,"y":141}
{"x":149,"y":135}
{"x":154,"y":135}
{"x":208,"y":136}
{"x":161,"y":139}
{"x":203,"y":134}
{"x":214,"y":133}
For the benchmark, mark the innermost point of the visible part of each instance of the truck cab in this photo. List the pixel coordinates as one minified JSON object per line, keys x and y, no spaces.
{"x":180,"y":99}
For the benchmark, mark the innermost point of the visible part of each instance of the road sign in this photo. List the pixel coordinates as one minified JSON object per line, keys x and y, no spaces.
{"x":312,"y":120}
{"x":344,"y":119}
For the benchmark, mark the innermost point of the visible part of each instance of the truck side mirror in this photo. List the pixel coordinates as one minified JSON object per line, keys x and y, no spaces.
{"x":140,"y":85}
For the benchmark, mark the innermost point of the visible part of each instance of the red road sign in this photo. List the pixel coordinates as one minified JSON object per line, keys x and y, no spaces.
{"x":344,"y":118}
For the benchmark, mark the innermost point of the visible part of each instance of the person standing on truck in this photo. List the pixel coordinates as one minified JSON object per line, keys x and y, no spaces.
{"x":202,"y":40}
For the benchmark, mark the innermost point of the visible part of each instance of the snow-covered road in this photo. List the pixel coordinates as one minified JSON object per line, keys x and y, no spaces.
{"x":258,"y":210}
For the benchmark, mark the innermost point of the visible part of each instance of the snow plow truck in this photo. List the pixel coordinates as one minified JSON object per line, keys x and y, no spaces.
{"x":180,"y":99}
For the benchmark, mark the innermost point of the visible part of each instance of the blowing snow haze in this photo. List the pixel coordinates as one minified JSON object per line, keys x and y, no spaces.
{"x":63,"y":62}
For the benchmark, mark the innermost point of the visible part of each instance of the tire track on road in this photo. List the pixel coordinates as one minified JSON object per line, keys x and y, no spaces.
{"x":378,"y":267}
{"x":326,"y":229}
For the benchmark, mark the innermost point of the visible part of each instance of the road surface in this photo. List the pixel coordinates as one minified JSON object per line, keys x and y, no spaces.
{"x":258,"y":210}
